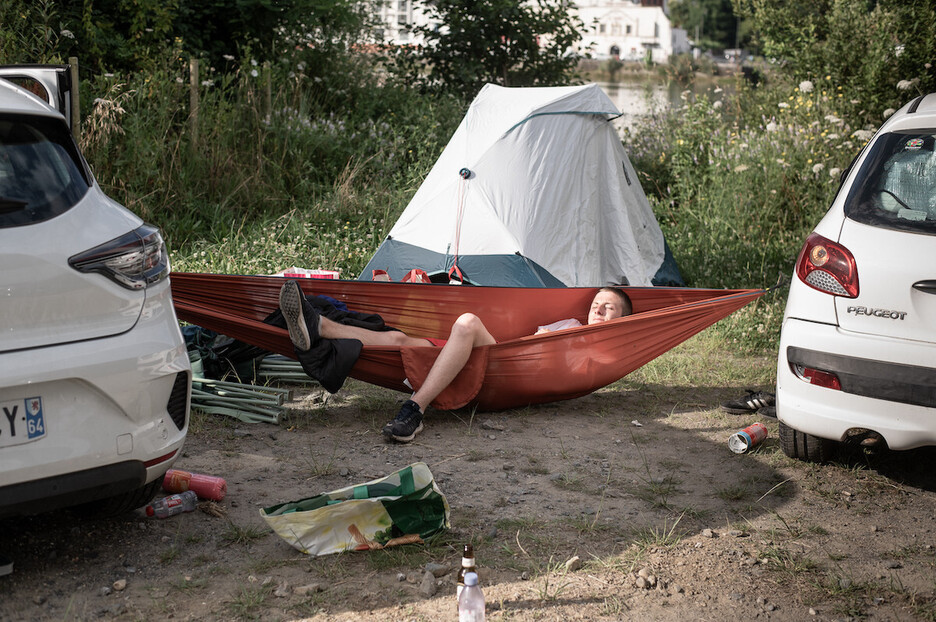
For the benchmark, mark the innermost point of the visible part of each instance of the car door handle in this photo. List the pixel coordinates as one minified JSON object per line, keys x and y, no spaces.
{"x":927,"y":287}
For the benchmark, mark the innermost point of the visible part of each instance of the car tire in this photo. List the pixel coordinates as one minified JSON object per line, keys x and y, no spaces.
{"x":807,"y":447}
{"x":121,"y":504}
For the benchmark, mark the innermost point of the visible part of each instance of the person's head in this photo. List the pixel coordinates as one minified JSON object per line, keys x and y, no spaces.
{"x":609,"y":303}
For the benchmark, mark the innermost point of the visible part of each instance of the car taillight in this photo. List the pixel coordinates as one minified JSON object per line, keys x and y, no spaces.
{"x":133,"y":260}
{"x":817,"y":377}
{"x":828,"y":267}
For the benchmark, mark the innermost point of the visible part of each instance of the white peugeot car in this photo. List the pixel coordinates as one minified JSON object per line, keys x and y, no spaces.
{"x":857,"y":354}
{"x":95,"y":379}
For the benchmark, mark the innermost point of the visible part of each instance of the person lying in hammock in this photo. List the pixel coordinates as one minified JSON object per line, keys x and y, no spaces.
{"x":307,"y":326}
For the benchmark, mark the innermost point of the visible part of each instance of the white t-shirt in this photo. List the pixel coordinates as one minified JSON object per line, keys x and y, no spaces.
{"x":561,"y":324}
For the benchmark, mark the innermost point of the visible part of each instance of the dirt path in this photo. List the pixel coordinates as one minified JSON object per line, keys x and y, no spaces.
{"x":635,"y":480}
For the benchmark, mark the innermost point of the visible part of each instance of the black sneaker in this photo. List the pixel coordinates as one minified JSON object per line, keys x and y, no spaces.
{"x":750,"y":403}
{"x":406,"y":425}
{"x":301,"y":317}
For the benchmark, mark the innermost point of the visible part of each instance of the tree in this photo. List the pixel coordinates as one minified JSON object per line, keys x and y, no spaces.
{"x":506,"y":42}
{"x":130,"y":35}
{"x":710,"y":23}
{"x":879,"y":52}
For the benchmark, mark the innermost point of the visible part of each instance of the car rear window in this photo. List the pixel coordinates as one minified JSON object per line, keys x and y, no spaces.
{"x":896,"y":186}
{"x":41,"y":171}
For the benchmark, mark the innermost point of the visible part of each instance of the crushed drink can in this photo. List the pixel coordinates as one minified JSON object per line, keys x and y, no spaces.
{"x":744,"y":440}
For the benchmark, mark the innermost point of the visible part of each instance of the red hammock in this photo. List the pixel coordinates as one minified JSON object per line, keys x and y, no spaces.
{"x":520,"y":369}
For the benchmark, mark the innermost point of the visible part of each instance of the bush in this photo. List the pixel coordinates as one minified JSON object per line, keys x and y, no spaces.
{"x":738,"y":180}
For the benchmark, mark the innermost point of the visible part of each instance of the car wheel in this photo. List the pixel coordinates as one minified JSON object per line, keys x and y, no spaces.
{"x":121,"y":504}
{"x":806,"y":447}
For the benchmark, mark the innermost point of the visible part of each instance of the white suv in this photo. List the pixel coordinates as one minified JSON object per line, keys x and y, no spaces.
{"x":858,"y":345}
{"x":95,"y":379}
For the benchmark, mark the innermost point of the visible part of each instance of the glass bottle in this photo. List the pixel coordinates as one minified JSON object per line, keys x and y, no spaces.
{"x":467,"y":565}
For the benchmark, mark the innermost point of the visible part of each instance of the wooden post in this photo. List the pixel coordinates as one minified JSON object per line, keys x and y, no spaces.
{"x":193,"y":100}
{"x":73,"y":96}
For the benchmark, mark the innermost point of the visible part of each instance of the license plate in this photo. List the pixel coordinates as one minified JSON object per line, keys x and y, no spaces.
{"x":21,"y":421}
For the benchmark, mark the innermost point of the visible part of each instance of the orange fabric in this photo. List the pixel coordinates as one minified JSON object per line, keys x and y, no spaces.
{"x":518,"y":370}
{"x":417,"y":362}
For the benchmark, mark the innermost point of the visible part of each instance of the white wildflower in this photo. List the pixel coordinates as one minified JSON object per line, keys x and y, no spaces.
{"x":833,"y":137}
{"x":179,"y":80}
{"x":253,"y":62}
{"x":834,"y":172}
{"x":740,"y":168}
{"x":834,"y":120}
{"x":254,"y":73}
{"x":716,"y":105}
{"x":888,"y":112}
{"x":227,"y":57}
{"x":817,"y":168}
{"x":717,"y":90}
{"x":68,"y":34}
{"x":108,"y":75}
{"x":806,"y":86}
{"x":771,"y":127}
{"x":206,"y":82}
{"x":783,"y":105}
{"x":905,"y":85}
{"x":863,"y":135}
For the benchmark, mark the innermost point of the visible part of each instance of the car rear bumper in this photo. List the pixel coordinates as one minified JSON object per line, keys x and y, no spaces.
{"x":888,"y":385}
{"x":121,"y":399}
{"x":70,"y":489}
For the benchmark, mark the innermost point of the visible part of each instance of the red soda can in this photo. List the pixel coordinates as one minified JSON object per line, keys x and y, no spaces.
{"x":744,"y":440}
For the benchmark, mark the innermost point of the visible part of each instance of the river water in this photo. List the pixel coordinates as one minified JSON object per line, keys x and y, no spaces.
{"x":636,"y":99}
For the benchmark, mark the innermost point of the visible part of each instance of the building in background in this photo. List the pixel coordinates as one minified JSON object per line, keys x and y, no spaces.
{"x":629,"y":30}
{"x":399,"y":18}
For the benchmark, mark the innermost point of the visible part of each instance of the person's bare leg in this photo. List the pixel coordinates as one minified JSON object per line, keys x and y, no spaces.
{"x":468,"y":332}
{"x":306,"y":325}
{"x":333,"y":330}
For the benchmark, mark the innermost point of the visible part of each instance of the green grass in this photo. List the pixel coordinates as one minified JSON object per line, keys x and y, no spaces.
{"x":235,"y":534}
{"x":667,"y":535}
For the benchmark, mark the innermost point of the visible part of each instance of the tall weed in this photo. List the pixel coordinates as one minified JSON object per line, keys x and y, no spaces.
{"x":246,"y":157}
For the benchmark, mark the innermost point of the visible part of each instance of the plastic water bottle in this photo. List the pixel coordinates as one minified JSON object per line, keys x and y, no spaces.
{"x":471,"y":600}
{"x":173,"y":504}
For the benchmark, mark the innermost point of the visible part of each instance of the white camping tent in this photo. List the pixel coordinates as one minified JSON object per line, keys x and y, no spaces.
{"x":534,"y":189}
